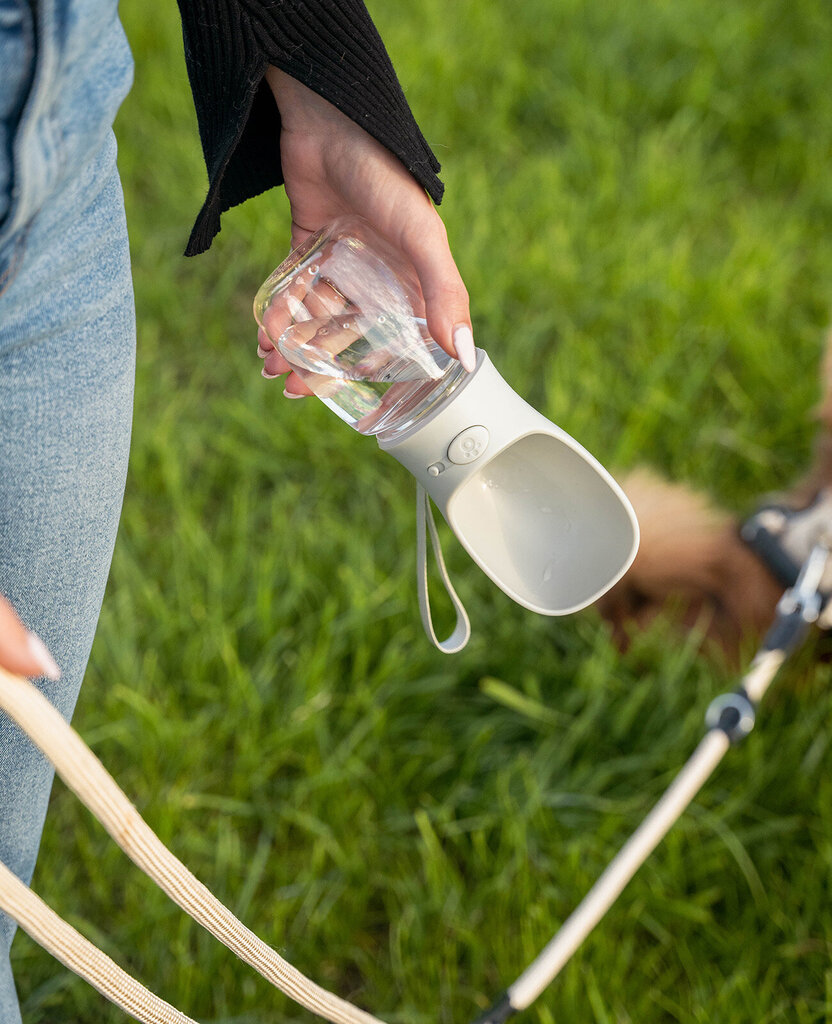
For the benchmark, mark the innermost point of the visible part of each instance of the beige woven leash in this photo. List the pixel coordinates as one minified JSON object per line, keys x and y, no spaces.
{"x":84,"y":774}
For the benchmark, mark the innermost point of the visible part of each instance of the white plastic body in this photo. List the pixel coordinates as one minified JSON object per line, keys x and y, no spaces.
{"x":539,"y":515}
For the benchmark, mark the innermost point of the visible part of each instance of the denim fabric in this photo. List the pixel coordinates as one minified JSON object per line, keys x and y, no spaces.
{"x":67,"y":343}
{"x":16,"y":68}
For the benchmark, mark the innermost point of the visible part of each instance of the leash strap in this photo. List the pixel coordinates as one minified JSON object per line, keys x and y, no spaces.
{"x":68,"y":946}
{"x":85,"y":775}
{"x":462,"y":628}
{"x":729,"y":719}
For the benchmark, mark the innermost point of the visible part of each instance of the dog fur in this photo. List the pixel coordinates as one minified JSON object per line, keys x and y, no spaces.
{"x":692,"y":557}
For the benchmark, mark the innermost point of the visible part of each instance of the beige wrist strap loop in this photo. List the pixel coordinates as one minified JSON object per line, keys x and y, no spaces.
{"x":84,"y":774}
{"x":425,"y":524}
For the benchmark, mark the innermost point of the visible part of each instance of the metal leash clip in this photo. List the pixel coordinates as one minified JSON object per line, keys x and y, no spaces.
{"x":803,"y":604}
{"x":800,"y":607}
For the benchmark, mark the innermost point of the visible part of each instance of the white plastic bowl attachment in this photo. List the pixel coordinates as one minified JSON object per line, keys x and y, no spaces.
{"x":539,"y":515}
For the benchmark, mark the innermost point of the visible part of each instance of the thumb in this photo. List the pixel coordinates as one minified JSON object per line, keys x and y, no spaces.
{"x":22,"y":652}
{"x":447,"y":308}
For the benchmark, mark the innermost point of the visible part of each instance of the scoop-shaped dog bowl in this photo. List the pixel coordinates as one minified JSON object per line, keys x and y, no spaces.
{"x":539,"y":515}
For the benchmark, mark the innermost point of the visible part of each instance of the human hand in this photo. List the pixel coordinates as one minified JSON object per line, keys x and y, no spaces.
{"x":22,"y":652}
{"x":332,"y":167}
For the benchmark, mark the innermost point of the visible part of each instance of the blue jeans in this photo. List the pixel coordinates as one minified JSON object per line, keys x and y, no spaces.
{"x":67,"y":352}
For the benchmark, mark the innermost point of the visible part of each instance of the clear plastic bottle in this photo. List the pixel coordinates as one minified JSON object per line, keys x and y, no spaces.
{"x":346,"y":311}
{"x":539,"y":515}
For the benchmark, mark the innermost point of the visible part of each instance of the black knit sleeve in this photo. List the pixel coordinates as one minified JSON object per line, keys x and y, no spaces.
{"x":331,"y":46}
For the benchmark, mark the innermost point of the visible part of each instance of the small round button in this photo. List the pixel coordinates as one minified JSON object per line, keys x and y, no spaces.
{"x":436,"y":468}
{"x":468,"y":446}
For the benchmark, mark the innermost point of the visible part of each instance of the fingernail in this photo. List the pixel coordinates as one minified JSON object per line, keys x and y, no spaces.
{"x":269,"y":376}
{"x":261,"y":351}
{"x":464,"y":345}
{"x":290,"y":394}
{"x":46,"y":663}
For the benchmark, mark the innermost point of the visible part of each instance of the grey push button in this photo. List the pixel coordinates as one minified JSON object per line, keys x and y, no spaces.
{"x":468,"y":446}
{"x":436,"y":468}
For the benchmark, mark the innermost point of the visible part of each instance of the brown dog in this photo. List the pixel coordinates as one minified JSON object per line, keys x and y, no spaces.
{"x":692,"y":555}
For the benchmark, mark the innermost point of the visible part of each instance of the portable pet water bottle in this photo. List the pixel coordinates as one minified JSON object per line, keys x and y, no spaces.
{"x":539,"y":515}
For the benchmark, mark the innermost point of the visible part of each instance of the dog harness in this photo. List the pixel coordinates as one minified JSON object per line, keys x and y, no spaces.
{"x":783,"y":537}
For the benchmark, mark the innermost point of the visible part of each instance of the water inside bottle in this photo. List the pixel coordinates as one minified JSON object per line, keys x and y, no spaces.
{"x":375,"y":366}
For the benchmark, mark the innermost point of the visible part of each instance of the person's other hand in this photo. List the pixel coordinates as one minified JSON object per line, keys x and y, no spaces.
{"x":22,"y":652}
{"x":332,"y":167}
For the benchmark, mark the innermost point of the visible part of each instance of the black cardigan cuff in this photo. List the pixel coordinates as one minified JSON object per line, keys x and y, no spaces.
{"x":331,"y":46}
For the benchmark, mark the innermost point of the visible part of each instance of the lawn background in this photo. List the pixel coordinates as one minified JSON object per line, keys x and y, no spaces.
{"x":640,"y":200}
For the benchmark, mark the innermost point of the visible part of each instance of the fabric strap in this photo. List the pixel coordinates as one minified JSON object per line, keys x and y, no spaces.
{"x":84,"y":774}
{"x":462,"y":629}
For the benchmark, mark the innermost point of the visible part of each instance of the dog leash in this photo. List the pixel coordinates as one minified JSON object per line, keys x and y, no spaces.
{"x":87,"y":777}
{"x":729,"y":719}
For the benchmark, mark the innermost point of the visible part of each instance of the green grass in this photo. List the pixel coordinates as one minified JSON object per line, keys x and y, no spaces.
{"x":639,"y":197}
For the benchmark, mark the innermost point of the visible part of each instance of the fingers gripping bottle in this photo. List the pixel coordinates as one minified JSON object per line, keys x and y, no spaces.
{"x":540,"y":516}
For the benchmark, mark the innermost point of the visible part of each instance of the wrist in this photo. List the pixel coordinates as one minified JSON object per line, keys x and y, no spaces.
{"x":300,"y":107}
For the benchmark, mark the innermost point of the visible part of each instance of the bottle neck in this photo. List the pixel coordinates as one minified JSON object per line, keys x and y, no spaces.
{"x":422,"y":404}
